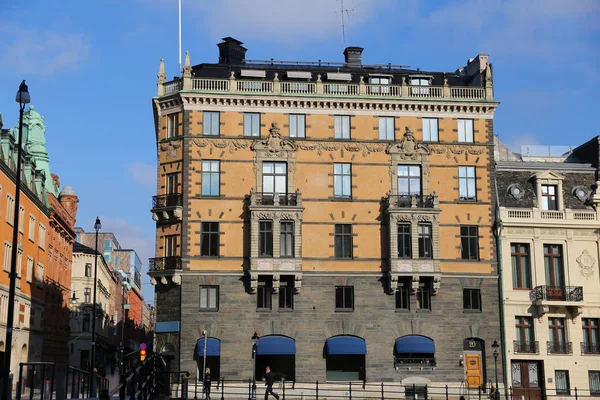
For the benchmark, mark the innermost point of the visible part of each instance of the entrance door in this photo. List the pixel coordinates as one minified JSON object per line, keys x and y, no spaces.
{"x":474,"y":372}
{"x":527,"y":380}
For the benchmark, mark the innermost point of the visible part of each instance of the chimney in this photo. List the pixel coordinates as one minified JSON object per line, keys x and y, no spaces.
{"x":353,"y":56}
{"x":231,"y":51}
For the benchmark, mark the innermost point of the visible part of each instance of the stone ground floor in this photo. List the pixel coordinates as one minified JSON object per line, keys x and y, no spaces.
{"x":334,"y":328}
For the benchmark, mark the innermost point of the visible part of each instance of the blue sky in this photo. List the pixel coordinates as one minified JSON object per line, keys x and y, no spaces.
{"x":91,"y":69}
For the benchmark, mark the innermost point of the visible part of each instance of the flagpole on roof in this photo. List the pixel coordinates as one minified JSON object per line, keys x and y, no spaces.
{"x":180,"y":38}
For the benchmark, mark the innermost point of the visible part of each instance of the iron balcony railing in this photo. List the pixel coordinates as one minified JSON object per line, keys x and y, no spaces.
{"x":559,"y":293}
{"x":167,"y":200}
{"x":559,"y":347}
{"x":271,"y":199}
{"x":411,"y":201}
{"x":526,"y":347}
{"x":590,"y":348}
{"x":165,"y":263}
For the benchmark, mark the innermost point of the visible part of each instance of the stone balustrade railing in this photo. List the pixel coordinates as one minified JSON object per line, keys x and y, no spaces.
{"x":320,"y":88}
{"x":550,"y":216}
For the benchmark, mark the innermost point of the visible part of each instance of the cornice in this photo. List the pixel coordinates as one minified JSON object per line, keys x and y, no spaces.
{"x":191,"y":100}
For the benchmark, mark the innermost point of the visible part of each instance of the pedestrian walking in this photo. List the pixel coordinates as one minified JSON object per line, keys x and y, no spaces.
{"x":207,"y":383}
{"x":269,"y":384}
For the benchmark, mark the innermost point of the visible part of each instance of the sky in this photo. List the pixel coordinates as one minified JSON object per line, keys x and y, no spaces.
{"x":91,"y":69}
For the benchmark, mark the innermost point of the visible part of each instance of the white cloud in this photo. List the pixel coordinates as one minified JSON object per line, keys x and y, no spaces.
{"x":37,"y":52}
{"x":143,"y":174}
{"x":518,"y":140}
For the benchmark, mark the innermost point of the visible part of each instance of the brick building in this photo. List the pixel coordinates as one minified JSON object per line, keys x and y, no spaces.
{"x":307,"y":202}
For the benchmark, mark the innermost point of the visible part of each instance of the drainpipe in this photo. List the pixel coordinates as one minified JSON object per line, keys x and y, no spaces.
{"x":497,"y":230}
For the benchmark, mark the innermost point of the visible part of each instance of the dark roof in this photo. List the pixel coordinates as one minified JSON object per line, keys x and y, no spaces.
{"x":80,"y":248}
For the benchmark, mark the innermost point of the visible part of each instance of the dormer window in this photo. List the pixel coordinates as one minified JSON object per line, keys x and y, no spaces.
{"x":549,"y":191}
{"x":420,"y":81}
{"x":549,"y":197}
{"x":379,"y":84}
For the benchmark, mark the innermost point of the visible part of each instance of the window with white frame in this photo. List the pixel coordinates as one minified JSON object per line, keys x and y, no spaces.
{"x":39,"y":275}
{"x":297,"y":125}
{"x":210,"y":123}
{"x":465,"y":130}
{"x":430,"y":129}
{"x":342,"y":180}
{"x":29,"y":276}
{"x":31,"y":233}
{"x":252,"y":124}
{"x":172,"y":125}
{"x":87,"y":295}
{"x":386,"y":128}
{"x":21,"y":217}
{"x":341,"y":127}
{"x":210,"y":178}
{"x":379,"y":85}
{"x":42,"y":237}
{"x":209,"y":298}
{"x":10,"y":209}
{"x":466,"y":183}
{"x":7,"y":256}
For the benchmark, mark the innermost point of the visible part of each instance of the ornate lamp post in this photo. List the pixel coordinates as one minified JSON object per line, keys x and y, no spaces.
{"x":255,"y":339}
{"x":495,"y":347}
{"x":204,"y":364}
{"x":97,"y":227}
{"x":22,"y":98}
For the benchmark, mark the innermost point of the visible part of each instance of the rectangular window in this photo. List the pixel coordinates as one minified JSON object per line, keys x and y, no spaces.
{"x":430,"y":129}
{"x":170,"y":246}
{"x":87,"y":319}
{"x":19,"y":267}
{"x":172,"y":183}
{"x":172,"y":125}
{"x":286,"y":293}
{"x":342,"y":127}
{"x":466,"y":183}
{"x":403,"y":295}
{"x":10,"y":209}
{"x":209,"y":298}
{"x":42,"y":237}
{"x":379,"y":85}
{"x":87,"y":295}
{"x":31,"y":233}
{"x":404,"y":240}
{"x":252,"y":124}
{"x":469,"y":242}
{"x":344,"y":298}
{"x":29,"y":276}
{"x":21,"y":218}
{"x":472,"y":300}
{"x":521,"y":265}
{"x":425,"y":241}
{"x":88,"y":270}
{"x":343,"y":241}
{"x":549,"y":197}
{"x":274,"y":177}
{"x":7,"y":256}
{"x":525,"y":336}
{"x":553,"y":265}
{"x":409,"y":180}
{"x":591,"y":336}
{"x":386,"y":128}
{"x":465,"y":130}
{"x":424,"y":295}
{"x":594,"y":377}
{"x":210,"y":123}
{"x":264,"y":293}
{"x":297,"y":125}
{"x":209,"y":239}
{"x":342,"y":180}
{"x":557,"y":343}
{"x":563,"y":386}
{"x":265,"y":238}
{"x":211,"y":178}
{"x":286,"y":239}
{"x":39,"y":275}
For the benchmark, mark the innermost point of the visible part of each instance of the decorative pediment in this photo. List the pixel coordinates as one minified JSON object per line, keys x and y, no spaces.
{"x":274,"y":144}
{"x":409,"y":148}
{"x":547,"y":176}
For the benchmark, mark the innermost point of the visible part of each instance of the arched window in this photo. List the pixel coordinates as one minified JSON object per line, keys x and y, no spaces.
{"x":345,"y":358}
{"x":414,"y":350}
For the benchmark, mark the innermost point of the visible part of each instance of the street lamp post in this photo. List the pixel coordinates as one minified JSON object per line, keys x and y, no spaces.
{"x":97,"y":227}
{"x":22,"y":98}
{"x":204,"y":365}
{"x":254,"y":338}
{"x":495,"y":347}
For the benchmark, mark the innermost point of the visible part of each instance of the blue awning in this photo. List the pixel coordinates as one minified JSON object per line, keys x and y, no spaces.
{"x":213,"y":348}
{"x":414,"y":344}
{"x":276,"y":345}
{"x":345,"y":345}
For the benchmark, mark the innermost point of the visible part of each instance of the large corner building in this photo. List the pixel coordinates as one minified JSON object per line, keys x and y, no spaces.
{"x":341,"y":211}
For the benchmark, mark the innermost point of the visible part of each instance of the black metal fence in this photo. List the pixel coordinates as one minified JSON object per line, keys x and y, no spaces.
{"x":36,"y":381}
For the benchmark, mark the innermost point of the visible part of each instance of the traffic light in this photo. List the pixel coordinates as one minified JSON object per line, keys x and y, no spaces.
{"x":142,"y":351}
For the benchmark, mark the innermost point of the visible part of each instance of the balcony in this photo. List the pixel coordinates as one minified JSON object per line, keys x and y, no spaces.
{"x":412,"y":201}
{"x":551,"y":218}
{"x":542,"y":294}
{"x":526,"y":347}
{"x":590,"y":348}
{"x":166,"y":207}
{"x":274,"y":199}
{"x":559,"y":347}
{"x":171,"y":263}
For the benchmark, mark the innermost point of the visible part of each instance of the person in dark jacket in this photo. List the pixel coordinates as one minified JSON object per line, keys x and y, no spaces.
{"x":269,"y":384}
{"x":207,"y":383}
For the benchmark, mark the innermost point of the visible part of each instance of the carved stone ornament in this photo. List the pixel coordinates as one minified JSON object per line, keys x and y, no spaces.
{"x":408,"y":148}
{"x":586,"y":263}
{"x":451,"y":151}
{"x":274,"y":144}
{"x":363,"y":148}
{"x":231,"y":145}
{"x":516,"y":191}
{"x":170,"y":148}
